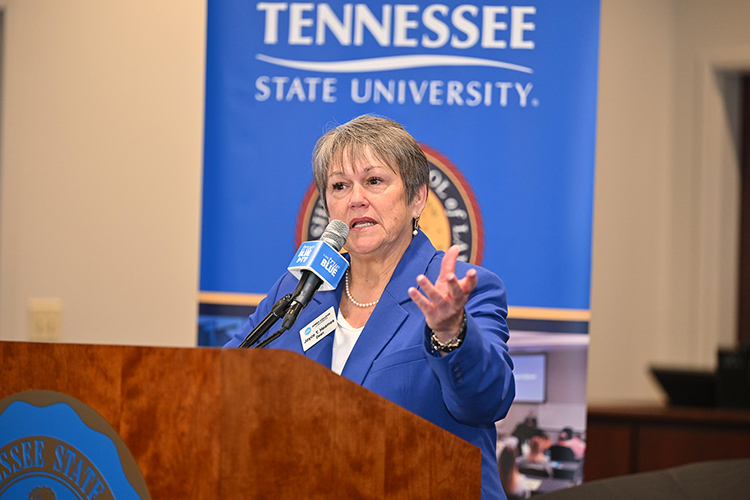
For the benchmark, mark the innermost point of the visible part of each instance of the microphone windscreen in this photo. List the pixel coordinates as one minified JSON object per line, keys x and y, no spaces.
{"x":335,"y":234}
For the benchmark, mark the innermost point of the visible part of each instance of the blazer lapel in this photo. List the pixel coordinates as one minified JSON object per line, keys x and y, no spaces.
{"x":389,"y":315}
{"x":382,"y":325}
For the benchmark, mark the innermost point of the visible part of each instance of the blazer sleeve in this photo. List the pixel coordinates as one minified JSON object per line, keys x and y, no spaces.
{"x":476,"y":379}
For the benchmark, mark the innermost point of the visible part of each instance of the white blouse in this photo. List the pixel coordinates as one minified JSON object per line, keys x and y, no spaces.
{"x":343,"y":342}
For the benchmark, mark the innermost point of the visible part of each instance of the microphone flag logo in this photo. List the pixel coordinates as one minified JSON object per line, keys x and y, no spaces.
{"x":321,"y":259}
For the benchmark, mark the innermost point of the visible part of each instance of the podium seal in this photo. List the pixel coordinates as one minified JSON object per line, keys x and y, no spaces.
{"x":54,"y":447}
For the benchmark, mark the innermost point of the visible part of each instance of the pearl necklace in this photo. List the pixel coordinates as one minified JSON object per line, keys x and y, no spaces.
{"x":348,"y":294}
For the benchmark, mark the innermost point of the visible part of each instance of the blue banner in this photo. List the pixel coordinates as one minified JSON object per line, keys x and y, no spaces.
{"x":502,"y":98}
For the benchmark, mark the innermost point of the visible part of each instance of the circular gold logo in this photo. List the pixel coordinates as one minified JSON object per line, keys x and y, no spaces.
{"x":450,"y":217}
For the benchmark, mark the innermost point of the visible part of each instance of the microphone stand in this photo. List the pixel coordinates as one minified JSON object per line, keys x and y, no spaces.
{"x":277,"y":312}
{"x":271,"y":338}
{"x":302,"y":295}
{"x":289,"y":310}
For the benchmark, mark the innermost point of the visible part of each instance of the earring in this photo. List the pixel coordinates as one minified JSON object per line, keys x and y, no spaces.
{"x":415,"y":226}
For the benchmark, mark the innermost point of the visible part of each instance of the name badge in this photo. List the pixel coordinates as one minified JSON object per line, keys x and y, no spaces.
{"x":318,"y":328}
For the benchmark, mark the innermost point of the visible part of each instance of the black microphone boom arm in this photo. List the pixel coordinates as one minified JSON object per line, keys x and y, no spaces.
{"x":277,"y":312}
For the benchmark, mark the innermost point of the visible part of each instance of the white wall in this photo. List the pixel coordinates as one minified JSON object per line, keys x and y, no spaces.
{"x":665,"y":231}
{"x":629,"y":287}
{"x":102,"y":120}
{"x":100,"y":173}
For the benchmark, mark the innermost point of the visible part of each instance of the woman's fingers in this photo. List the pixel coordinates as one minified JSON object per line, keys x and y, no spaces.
{"x":431,"y":313}
{"x":469,"y":282}
{"x":442,"y":302}
{"x":431,"y":291}
{"x":448,"y":266}
{"x":422,"y":302}
{"x":455,"y":290}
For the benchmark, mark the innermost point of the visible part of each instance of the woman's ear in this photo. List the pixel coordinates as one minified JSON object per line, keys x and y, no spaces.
{"x":420,"y":200}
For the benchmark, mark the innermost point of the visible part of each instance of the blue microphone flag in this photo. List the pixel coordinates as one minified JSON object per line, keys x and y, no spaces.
{"x":321,"y":259}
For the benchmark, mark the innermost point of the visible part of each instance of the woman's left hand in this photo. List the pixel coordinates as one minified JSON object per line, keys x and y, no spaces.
{"x":443,"y":303}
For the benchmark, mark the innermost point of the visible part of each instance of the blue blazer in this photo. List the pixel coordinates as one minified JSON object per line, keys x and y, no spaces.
{"x":464,"y":392}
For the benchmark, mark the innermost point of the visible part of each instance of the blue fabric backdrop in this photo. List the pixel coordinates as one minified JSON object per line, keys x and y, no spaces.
{"x":505,"y":94}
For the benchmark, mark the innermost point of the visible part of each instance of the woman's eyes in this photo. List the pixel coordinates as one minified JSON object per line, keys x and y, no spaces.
{"x":372,"y":181}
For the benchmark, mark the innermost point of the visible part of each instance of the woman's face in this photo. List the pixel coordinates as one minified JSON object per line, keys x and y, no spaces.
{"x":371,"y":198}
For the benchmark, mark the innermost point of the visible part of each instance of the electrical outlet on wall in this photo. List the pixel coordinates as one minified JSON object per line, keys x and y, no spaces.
{"x":45,"y":319}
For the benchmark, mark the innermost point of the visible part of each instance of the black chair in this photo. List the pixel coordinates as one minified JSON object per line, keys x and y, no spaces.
{"x":560,"y":453}
{"x":533,"y":471}
{"x":569,"y":474}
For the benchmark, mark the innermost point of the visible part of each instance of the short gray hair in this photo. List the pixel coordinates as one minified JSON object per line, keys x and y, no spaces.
{"x":385,"y":139}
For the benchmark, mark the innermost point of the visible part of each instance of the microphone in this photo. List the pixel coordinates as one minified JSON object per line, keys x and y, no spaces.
{"x":317,"y":264}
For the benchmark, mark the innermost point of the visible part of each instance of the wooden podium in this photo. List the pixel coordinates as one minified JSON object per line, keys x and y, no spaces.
{"x":227,"y":423}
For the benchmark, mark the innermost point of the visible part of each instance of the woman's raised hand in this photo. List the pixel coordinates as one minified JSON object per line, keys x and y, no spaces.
{"x":443,"y":302}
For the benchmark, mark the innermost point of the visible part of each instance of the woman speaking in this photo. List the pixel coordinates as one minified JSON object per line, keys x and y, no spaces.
{"x":412,"y":324}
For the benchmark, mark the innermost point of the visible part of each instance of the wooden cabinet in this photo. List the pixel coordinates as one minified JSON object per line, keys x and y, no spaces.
{"x":626,"y":439}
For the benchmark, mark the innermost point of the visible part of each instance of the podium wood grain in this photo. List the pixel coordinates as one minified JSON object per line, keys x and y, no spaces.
{"x":226,"y":423}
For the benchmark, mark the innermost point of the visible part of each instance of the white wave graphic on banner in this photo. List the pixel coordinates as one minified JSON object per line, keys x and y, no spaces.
{"x":389,"y":63}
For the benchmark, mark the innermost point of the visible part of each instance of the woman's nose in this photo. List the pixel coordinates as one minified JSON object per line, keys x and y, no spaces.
{"x":358,"y":197}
